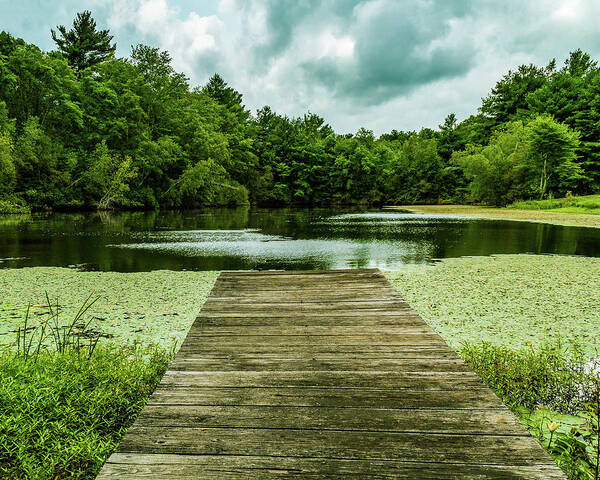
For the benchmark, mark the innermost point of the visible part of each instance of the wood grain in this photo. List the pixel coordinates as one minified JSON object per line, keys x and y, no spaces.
{"x":321,"y":375}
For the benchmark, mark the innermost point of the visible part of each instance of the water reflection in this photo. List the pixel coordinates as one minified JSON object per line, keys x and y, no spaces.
{"x":245,"y":238}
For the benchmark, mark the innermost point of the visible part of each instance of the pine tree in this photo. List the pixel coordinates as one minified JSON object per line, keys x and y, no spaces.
{"x":83,"y":45}
{"x":218,"y":89}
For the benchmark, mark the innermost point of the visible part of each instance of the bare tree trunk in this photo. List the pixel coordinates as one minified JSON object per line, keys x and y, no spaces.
{"x":543,"y":181}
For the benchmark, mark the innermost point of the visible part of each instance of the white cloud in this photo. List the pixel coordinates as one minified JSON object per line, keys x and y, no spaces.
{"x":570,"y":10}
{"x":152,"y":14}
{"x":330,"y":45}
{"x":188,"y":39}
{"x":227,"y":6}
{"x":381,"y":64}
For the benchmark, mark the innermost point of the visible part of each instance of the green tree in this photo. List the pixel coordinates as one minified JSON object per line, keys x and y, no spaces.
{"x":37,"y":160}
{"x":8,"y":171}
{"x":113,"y":107}
{"x":83,"y":45}
{"x":572,"y":96}
{"x":218,"y":89}
{"x":207,"y":183}
{"x":579,"y":63}
{"x":110,"y":177}
{"x":420,"y":167}
{"x":500,"y":172}
{"x":41,"y":85}
{"x":508,"y":99}
{"x":163,"y":90}
{"x":449,"y":139}
{"x":553,"y":147}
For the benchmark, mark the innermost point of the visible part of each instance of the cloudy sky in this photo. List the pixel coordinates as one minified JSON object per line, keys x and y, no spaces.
{"x":381,"y":64}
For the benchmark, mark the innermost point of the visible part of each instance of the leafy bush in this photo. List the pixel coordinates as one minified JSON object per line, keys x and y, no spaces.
{"x":551,"y":375}
{"x":555,"y":392}
{"x":13,"y":206}
{"x":62,"y":414}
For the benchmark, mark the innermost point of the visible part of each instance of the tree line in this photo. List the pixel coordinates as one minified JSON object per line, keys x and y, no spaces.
{"x":81,"y":128}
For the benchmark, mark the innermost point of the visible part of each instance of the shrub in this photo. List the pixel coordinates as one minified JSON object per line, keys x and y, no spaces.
{"x":62,"y":414}
{"x":556,"y":394}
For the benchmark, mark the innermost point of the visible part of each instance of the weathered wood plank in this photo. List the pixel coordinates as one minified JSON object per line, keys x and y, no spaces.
{"x":127,"y":466}
{"x":302,"y":312}
{"x":406,"y":318}
{"x":306,"y":280}
{"x":321,"y":375}
{"x":293,"y":299}
{"x":302,"y":273}
{"x":470,"y":449}
{"x":299,"y":275}
{"x":298,"y":290}
{"x":313,"y":330}
{"x":497,"y":421}
{"x":341,"y":379}
{"x":449,"y":399}
{"x":194,"y":362}
{"x":294,"y":284}
{"x":397,"y":351}
{"x":388,"y":306}
{"x":398,"y":340}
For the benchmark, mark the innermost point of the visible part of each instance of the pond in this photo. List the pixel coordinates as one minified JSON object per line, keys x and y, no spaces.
{"x":253,"y":238}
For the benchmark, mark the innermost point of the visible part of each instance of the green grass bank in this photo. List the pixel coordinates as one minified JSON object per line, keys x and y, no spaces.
{"x":559,"y":217}
{"x":589,"y":204}
{"x":61,"y":415}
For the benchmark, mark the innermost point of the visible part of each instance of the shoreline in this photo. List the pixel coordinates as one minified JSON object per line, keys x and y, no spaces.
{"x":495,"y":213}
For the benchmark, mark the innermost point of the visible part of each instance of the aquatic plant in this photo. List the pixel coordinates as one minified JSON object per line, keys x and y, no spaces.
{"x":72,"y":336}
{"x":555,"y":392}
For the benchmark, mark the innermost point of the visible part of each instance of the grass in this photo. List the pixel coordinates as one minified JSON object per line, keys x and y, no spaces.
{"x":66,"y":400}
{"x":63,"y":414}
{"x":578,"y":218}
{"x":147,"y":308}
{"x":589,"y":204}
{"x":555,"y":393}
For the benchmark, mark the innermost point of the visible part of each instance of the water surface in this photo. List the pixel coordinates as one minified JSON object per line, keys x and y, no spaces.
{"x":248,"y":238}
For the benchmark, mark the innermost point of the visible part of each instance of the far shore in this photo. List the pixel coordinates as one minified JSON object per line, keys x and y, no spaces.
{"x":495,"y":213}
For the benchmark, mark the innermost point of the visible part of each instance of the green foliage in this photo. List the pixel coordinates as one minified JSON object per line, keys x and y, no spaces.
{"x":555,"y":392}
{"x":83,"y":45}
{"x":55,"y":424}
{"x":80,"y":128}
{"x":508,"y":99}
{"x":110,"y":176}
{"x":506,"y":169}
{"x":74,"y":336}
{"x":550,"y":375}
{"x":12,"y":205}
{"x":553,"y":148}
{"x":587,"y":204}
{"x":208,"y":180}
{"x":499,"y":172}
{"x":8,"y":170}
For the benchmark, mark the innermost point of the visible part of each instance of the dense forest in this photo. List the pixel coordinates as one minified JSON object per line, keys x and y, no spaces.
{"x":81,"y":129}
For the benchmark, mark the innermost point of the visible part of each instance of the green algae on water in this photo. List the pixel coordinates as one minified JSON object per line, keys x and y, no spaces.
{"x":146,"y":308}
{"x":511,"y":300}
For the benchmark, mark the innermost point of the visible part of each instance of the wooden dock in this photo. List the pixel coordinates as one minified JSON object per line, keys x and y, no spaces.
{"x":321,"y":375}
